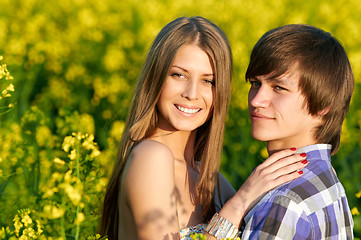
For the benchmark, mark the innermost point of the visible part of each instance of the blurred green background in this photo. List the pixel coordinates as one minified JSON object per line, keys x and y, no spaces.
{"x":75,"y":64}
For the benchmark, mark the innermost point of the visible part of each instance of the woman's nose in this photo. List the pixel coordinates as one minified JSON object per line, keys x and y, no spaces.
{"x":191,"y":90}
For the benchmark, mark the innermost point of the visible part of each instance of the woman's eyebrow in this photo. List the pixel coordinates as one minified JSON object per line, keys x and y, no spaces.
{"x":185,"y":70}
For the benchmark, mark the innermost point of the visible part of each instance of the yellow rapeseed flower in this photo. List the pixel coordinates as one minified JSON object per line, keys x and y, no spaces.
{"x":59,"y":161}
{"x":78,"y":135}
{"x":264,"y":153}
{"x":2,"y":230}
{"x":53,"y":212}
{"x":87,"y":123}
{"x":67,"y":176}
{"x":26,"y":220}
{"x":117,"y":130}
{"x":101,"y":184}
{"x":43,"y":136}
{"x":79,"y":218}
{"x":17,"y":224}
{"x":29,"y":232}
{"x":50,"y":192}
{"x":7,"y":90}
{"x":10,"y":88}
{"x":358,"y":195}
{"x":56,"y":176}
{"x":95,"y":153}
{"x":74,"y":193}
{"x":354,"y":211}
{"x":72,"y":154}
{"x":24,"y":237}
{"x":39,"y":227}
{"x":4,"y":71}
{"x":69,"y":141}
{"x":88,"y":144}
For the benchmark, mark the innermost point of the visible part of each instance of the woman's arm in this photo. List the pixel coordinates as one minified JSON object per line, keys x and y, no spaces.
{"x":150,"y":191}
{"x":279,"y":168}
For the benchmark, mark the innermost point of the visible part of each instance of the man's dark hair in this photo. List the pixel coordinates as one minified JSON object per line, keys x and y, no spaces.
{"x":326,"y":78}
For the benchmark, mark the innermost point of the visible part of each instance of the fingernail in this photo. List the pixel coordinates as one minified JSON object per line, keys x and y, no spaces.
{"x":293,"y":149}
{"x":300,"y":172}
{"x":304,"y":161}
{"x":303,"y":154}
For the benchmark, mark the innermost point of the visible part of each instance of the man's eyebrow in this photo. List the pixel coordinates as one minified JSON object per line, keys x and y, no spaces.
{"x":279,"y":81}
{"x":282,"y":81}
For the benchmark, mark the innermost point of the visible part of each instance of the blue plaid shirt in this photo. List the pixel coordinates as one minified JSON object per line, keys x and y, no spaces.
{"x":313,"y":206}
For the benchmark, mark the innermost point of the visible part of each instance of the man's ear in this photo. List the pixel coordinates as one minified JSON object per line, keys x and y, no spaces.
{"x":324,"y":111}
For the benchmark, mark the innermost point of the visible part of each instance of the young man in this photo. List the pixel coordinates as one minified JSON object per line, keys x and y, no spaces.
{"x":301,"y":87}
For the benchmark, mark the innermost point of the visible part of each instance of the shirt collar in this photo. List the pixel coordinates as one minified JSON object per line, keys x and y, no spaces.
{"x":316,"y":151}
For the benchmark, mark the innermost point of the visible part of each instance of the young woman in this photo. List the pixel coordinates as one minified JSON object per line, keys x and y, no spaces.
{"x":166,"y":178}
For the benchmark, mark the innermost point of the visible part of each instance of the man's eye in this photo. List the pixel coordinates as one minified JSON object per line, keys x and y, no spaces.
{"x":279,"y":88}
{"x":255,"y":83}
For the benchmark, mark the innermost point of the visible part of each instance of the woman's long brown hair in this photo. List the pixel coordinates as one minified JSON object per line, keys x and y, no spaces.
{"x":143,"y":115}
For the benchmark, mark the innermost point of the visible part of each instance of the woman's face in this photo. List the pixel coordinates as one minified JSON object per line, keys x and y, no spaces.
{"x":186,"y":100}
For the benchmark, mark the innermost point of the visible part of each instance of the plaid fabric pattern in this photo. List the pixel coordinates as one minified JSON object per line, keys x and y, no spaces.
{"x":313,"y":206}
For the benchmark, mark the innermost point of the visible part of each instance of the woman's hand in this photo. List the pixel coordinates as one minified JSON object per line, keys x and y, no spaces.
{"x":279,"y":168}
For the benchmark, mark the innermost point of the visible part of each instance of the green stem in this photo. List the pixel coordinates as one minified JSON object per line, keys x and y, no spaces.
{"x":37,"y":169}
{"x":62,"y":220}
{"x":5,"y":112}
{"x":78,"y":177}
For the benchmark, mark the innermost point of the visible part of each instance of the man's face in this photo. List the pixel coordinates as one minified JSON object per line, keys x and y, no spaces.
{"x":278,"y":114}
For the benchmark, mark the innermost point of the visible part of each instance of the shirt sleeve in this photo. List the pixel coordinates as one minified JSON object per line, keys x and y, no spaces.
{"x":281,"y":218}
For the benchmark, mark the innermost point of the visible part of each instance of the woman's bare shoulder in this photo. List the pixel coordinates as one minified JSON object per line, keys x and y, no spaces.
{"x":150,"y":162}
{"x":148,"y":188}
{"x":151,"y":149}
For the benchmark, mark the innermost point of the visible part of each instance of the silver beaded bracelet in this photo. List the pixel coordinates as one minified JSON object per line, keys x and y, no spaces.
{"x":220,"y":228}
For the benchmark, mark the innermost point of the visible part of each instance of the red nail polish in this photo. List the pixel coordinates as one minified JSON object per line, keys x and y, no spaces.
{"x":300,"y":172}
{"x":303,"y":154}
{"x":304,"y":161}
{"x":293,"y":149}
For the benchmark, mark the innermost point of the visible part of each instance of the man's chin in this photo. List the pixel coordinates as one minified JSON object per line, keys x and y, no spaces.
{"x":260,"y":137}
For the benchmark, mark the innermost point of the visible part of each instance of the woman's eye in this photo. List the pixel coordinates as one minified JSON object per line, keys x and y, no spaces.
{"x":177,"y":75}
{"x":207,"y":81}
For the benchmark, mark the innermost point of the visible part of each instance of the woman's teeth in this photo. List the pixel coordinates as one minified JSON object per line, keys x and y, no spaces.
{"x":188,"y":110}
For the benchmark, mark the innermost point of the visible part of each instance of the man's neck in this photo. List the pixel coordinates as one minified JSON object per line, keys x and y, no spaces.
{"x":272,"y":148}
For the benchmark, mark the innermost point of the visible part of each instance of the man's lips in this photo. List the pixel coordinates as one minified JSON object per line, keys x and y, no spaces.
{"x":260,"y":116}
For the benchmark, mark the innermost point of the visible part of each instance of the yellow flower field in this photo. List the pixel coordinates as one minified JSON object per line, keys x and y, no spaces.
{"x":67,"y":71}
